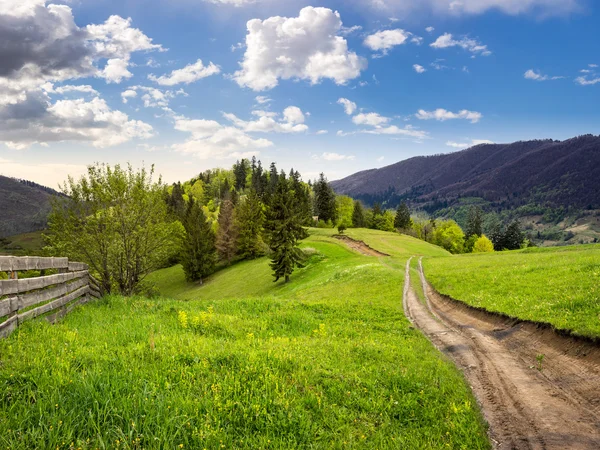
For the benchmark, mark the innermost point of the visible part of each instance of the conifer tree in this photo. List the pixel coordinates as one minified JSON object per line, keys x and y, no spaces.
{"x":250,"y":219}
{"x":199,"y":252}
{"x":402,"y":220}
{"x":228,"y":233}
{"x":474,"y":222}
{"x":325,"y":205}
{"x":358,"y":215}
{"x":302,"y":198}
{"x":284,"y":230}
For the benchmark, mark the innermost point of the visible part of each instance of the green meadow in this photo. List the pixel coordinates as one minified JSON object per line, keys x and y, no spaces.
{"x":559,"y":286}
{"x":326,"y":361}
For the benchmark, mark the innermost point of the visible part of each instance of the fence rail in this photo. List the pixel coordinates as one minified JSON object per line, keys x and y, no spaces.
{"x":25,"y":299}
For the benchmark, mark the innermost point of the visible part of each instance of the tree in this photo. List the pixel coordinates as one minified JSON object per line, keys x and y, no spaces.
{"x":342,"y":228}
{"x":228,"y":233}
{"x":483,"y":245}
{"x":301,"y":193}
{"x":116,"y":221}
{"x":175,"y":201}
{"x":284,"y":230}
{"x":325,"y":205}
{"x":402,"y":220}
{"x":199,"y":252}
{"x":240,"y":171}
{"x":345,"y":210}
{"x":513,"y":237}
{"x":449,"y":236}
{"x":358,"y":215}
{"x":250,"y":220}
{"x":474,"y":222}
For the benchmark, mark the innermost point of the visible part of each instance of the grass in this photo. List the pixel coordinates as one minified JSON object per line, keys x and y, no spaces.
{"x":559,"y":286}
{"x":327,"y":361}
{"x":24,"y":244}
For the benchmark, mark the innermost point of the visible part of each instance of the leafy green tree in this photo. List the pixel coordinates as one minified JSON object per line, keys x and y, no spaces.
{"x":402,"y":220}
{"x":345,"y":210}
{"x":470,"y":243}
{"x":250,"y":220}
{"x":474,"y":222}
{"x":358,"y":215}
{"x":325,"y":205}
{"x":483,"y":245}
{"x":513,"y":236}
{"x":199,"y":253}
{"x":227,"y":233}
{"x":116,"y":221}
{"x":284,"y":231}
{"x":449,"y":236}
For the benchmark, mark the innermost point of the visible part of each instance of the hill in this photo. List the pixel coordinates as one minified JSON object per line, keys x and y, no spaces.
{"x":556,"y":179}
{"x":25,"y":206}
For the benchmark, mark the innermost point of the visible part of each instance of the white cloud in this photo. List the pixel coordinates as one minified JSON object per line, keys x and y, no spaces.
{"x":446,"y":40}
{"x":593,"y":66}
{"x":335,"y":157}
{"x":129,"y":93}
{"x":152,"y":97}
{"x":211,"y":140}
{"x":350,"y":30}
{"x":322,"y":132}
{"x":473,"y":143}
{"x":187,"y":75}
{"x":584,"y":81}
{"x":380,"y":159}
{"x":67,"y":89}
{"x":542,"y":8}
{"x":116,"y":71}
{"x":537,"y":76}
{"x":393,"y":130}
{"x":306,"y":47}
{"x":387,"y":39}
{"x":430,"y":29}
{"x":261,"y":100}
{"x":349,"y":106}
{"x":292,"y":121}
{"x":372,"y":119}
{"x":419,"y":69}
{"x":443,"y":115}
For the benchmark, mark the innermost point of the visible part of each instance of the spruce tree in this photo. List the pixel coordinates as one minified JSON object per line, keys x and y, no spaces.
{"x":227,"y":235}
{"x":325,"y":205}
{"x":199,"y":252}
{"x":301,"y":193}
{"x":513,"y":236}
{"x":284,"y":231}
{"x":402,"y":220}
{"x":250,"y":219}
{"x":474,"y":222}
{"x":358,"y":215}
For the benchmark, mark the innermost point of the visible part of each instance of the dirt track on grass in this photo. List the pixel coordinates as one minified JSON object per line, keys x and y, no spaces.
{"x":359,"y":246}
{"x":557,"y":407}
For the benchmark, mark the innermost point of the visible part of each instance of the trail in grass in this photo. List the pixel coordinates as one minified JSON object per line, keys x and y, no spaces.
{"x":529,"y":400}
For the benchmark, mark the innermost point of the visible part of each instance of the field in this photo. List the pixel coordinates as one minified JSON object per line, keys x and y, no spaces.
{"x":327,"y":361}
{"x":559,"y":286}
{"x":23,"y":244}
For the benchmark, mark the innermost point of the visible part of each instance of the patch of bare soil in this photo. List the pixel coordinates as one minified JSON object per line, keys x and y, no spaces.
{"x":530,"y":402}
{"x":359,"y":246}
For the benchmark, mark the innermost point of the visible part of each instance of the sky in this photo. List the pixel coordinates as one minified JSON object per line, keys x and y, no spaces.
{"x":321,"y":86}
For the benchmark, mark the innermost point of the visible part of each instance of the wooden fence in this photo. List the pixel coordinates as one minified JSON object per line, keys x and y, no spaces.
{"x":24,"y":299}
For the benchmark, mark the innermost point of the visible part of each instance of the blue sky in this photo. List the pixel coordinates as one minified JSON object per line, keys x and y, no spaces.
{"x":332,"y":86}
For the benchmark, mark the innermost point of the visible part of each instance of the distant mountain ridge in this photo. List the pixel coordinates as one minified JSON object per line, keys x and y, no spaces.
{"x":24,"y":206}
{"x":544,"y":172}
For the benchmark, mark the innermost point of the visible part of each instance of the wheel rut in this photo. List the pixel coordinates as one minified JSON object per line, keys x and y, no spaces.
{"x":526,"y":408}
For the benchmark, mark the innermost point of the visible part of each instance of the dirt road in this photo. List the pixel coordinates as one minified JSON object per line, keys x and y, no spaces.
{"x":530,"y":402}
{"x":359,"y":246}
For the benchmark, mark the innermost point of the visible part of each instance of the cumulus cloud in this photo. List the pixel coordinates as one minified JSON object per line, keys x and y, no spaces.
{"x":443,"y":115}
{"x":262,"y":100}
{"x":349,"y":106}
{"x":187,"y":75}
{"x":152,"y":97}
{"x":327,"y":156}
{"x":387,"y":39}
{"x":473,"y":143}
{"x":474,"y":7}
{"x":307,"y":47}
{"x":372,"y":119}
{"x":446,"y":41}
{"x":292,"y":121}
{"x":322,"y":132}
{"x":537,"y":76}
{"x":211,"y":140}
{"x":419,"y":69}
{"x":585,"y":81}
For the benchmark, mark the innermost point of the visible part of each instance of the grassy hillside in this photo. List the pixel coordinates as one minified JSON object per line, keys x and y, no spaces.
{"x":560,"y":286}
{"x":23,"y":244}
{"x":327,"y":361}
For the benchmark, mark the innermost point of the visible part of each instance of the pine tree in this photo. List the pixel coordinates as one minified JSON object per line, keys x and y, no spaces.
{"x":199,"y":252}
{"x":302,"y":198}
{"x":240,"y":171}
{"x":474,"y":222}
{"x":325,"y":205}
{"x":175,"y":202}
{"x":228,"y":233}
{"x":284,"y":230}
{"x":358,"y":215}
{"x":250,"y":218}
{"x":513,"y":236}
{"x":402,"y":220}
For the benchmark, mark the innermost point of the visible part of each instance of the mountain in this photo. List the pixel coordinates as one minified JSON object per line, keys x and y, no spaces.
{"x":545,"y":172}
{"x":24,"y":206}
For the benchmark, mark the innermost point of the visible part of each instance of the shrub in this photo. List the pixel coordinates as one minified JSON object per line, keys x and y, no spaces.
{"x":483,"y":245}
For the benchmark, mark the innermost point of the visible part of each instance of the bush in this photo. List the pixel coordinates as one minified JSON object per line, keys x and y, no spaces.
{"x":483,"y":245}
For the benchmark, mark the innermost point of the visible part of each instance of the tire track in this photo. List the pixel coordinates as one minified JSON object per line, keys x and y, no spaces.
{"x":524,"y":408}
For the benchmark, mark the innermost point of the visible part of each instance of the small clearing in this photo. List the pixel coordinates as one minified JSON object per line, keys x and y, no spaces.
{"x":359,"y":246}
{"x":530,"y":401}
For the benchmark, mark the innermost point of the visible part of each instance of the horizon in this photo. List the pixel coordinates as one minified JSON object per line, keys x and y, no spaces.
{"x":331,"y":88}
